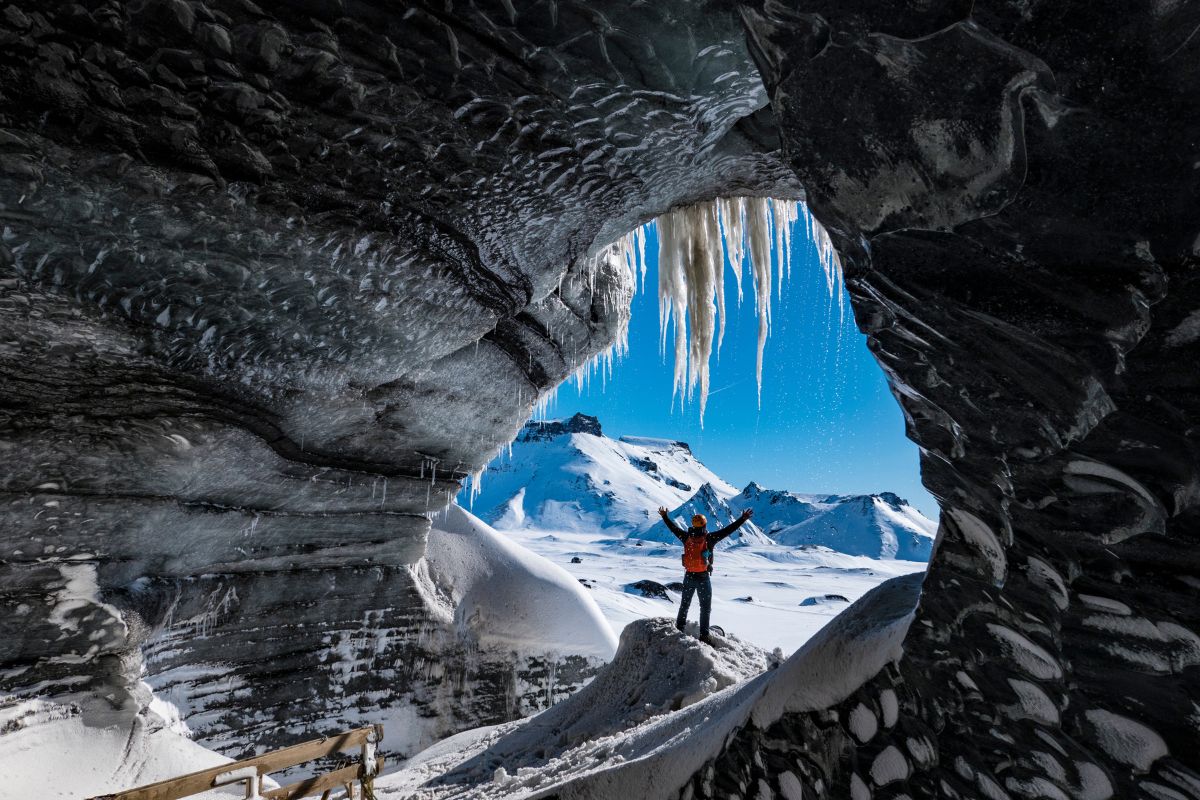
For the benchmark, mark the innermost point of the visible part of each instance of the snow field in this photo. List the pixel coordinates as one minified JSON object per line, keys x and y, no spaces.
{"x":777,"y":579}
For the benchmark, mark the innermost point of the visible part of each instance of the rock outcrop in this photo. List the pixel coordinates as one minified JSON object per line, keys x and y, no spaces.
{"x":273,"y":277}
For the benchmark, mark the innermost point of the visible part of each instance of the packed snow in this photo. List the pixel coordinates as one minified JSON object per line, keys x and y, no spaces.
{"x":507,"y":597}
{"x":52,"y":750}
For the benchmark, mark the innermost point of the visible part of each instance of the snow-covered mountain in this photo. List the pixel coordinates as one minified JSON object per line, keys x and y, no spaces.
{"x":566,"y":475}
{"x":713,"y":505}
{"x":876,"y":525}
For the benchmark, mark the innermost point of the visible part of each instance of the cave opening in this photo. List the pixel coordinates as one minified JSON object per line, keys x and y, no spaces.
{"x":737,"y":381}
{"x":275,"y":275}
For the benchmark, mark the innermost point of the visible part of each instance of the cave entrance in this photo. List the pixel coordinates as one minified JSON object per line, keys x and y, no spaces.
{"x":740,"y":382}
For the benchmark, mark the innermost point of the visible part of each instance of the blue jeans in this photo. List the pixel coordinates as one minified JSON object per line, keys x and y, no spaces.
{"x":696,"y":583}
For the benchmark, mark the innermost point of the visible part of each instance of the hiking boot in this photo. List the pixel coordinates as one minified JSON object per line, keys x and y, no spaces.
{"x":706,"y":639}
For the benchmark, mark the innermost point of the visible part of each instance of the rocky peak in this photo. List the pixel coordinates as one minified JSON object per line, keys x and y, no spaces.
{"x":541,"y":430}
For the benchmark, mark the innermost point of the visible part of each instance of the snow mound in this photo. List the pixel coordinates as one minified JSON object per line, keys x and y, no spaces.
{"x":600,"y":743}
{"x":509,"y":598}
{"x":50,"y":750}
{"x":657,"y":670}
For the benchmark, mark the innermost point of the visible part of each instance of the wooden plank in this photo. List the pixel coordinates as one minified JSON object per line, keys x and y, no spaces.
{"x":197,"y":782}
{"x":319,"y":783}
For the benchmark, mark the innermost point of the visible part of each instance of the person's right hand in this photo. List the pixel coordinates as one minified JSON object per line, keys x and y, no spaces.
{"x":662,"y":512}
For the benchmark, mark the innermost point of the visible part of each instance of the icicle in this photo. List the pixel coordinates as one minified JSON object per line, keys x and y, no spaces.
{"x":641,"y":244}
{"x":733,"y":225}
{"x":673,"y":250}
{"x":692,"y":246}
{"x":703,"y":273}
{"x":758,"y":229}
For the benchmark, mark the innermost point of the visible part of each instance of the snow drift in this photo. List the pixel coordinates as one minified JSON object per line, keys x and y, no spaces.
{"x":505,"y":597}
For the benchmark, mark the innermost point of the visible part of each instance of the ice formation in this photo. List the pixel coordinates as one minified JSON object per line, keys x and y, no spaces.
{"x":694,"y":244}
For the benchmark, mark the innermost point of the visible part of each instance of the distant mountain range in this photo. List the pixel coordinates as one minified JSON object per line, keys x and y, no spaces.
{"x":567,"y":475}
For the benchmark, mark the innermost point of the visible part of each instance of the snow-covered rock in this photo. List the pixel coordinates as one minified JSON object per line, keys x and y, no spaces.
{"x":567,"y":475}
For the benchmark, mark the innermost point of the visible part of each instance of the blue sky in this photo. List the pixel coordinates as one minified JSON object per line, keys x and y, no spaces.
{"x":828,"y":422}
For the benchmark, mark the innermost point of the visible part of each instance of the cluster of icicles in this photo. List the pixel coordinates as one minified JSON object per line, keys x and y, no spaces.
{"x":694,"y":244}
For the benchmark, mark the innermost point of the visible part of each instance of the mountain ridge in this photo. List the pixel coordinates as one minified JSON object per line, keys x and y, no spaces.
{"x":566,"y":474}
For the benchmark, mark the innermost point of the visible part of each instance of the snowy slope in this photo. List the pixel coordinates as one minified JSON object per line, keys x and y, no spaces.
{"x":876,"y":525}
{"x":566,"y":475}
{"x":630,"y":737}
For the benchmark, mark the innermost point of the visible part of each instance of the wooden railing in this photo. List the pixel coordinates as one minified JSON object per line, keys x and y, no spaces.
{"x":250,"y":771}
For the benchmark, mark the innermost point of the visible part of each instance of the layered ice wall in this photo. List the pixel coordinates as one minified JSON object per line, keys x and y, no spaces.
{"x":273,"y":279}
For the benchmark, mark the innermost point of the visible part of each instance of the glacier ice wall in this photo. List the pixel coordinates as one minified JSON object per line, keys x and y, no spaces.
{"x":273,"y":279}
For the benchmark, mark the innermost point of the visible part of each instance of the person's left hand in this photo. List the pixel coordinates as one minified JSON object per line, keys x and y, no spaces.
{"x":747,"y":514}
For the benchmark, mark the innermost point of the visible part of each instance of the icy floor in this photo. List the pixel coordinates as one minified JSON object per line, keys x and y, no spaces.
{"x":776,"y":578}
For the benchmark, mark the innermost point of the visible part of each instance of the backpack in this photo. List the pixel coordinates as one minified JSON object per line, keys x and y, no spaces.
{"x":696,"y":555}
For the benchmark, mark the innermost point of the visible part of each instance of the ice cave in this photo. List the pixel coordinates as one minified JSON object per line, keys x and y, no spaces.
{"x":277,"y":277}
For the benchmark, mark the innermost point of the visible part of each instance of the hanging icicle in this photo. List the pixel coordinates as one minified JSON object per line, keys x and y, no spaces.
{"x":694,"y":243}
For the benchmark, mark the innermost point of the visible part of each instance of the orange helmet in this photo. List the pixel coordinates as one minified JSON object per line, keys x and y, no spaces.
{"x":699,"y":521}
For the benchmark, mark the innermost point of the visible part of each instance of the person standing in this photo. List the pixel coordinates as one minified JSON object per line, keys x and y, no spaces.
{"x":698,"y":546}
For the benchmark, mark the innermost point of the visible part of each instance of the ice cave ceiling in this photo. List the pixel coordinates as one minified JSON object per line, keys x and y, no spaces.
{"x":273,"y":276}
